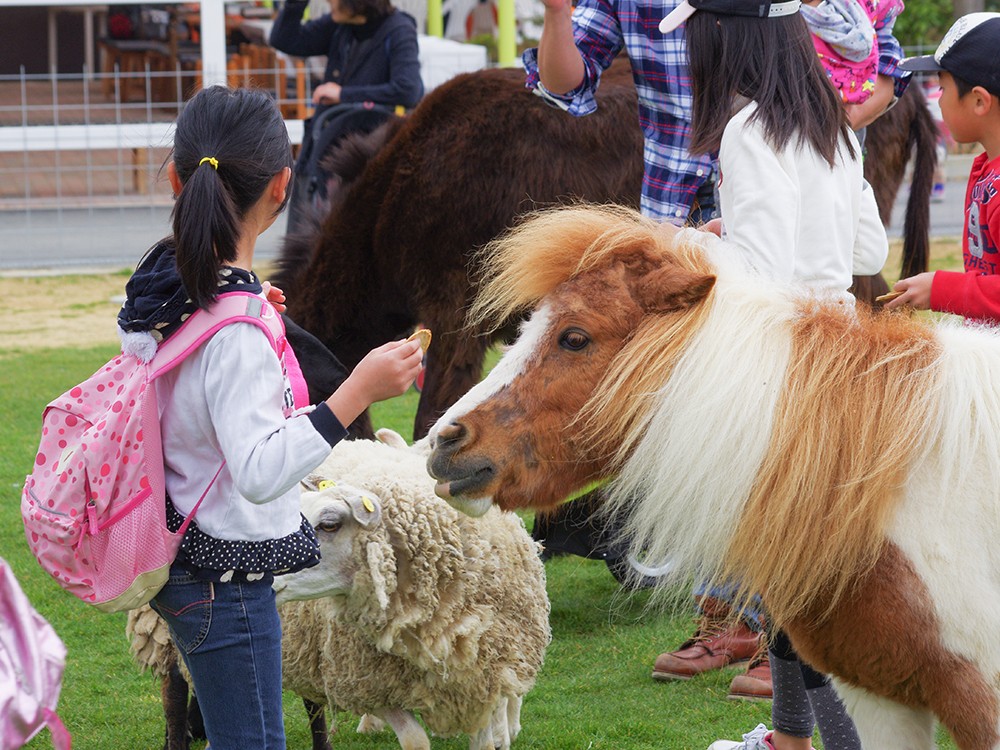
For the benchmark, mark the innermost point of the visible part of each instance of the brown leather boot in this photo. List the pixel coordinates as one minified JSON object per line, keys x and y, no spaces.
{"x":755,"y":683}
{"x":717,"y":643}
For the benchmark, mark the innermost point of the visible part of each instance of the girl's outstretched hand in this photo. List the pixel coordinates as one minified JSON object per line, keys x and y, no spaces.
{"x":384,"y":372}
{"x":916,"y":292}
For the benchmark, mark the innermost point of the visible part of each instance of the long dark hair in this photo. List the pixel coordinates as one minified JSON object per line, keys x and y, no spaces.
{"x":242,"y":130}
{"x":771,"y":61}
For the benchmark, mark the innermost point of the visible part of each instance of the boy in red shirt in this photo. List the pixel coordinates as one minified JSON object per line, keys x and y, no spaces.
{"x":968,"y":62}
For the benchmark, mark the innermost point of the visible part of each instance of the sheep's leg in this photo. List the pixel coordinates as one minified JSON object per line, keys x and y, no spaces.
{"x":408,"y":731}
{"x":500,"y":734}
{"x":885,"y":724}
{"x":370,"y":724}
{"x":513,"y":716}
{"x":174,"y":696}
{"x":483,"y":739}
{"x":317,"y":725}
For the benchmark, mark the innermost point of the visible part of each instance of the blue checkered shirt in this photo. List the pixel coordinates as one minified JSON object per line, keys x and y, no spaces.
{"x":659,"y":63}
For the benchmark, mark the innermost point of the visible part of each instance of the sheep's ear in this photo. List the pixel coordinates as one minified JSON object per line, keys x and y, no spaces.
{"x":366,"y":508}
{"x":310,"y":483}
{"x":390,"y":438}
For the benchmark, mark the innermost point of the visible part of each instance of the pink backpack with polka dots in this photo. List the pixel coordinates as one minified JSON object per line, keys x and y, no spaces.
{"x":94,"y":506}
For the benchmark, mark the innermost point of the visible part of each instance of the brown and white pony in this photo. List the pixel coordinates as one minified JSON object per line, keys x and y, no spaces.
{"x":843,"y":464}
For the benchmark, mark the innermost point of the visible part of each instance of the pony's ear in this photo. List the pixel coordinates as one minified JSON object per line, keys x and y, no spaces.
{"x":668,"y":288}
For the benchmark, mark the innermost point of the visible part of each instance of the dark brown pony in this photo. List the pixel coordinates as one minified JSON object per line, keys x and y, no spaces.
{"x":417,"y":200}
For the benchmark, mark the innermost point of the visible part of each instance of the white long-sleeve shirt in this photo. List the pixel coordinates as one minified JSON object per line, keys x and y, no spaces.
{"x":794,"y":217}
{"x":225,"y":401}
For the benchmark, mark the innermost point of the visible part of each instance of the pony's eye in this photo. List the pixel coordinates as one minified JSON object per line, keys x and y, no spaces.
{"x":573,"y":339}
{"x":330,"y":526}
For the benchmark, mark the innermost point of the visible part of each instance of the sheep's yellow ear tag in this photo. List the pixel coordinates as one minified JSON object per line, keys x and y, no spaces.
{"x":326,"y":483}
{"x":369,"y":505}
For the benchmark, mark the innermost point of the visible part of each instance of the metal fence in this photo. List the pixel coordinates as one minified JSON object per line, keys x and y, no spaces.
{"x":81,"y":161}
{"x":82,"y":155}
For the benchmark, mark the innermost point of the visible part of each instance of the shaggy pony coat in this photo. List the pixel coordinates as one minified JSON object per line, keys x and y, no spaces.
{"x":842,"y":464}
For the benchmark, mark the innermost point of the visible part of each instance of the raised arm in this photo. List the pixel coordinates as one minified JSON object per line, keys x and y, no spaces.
{"x":560,"y":66}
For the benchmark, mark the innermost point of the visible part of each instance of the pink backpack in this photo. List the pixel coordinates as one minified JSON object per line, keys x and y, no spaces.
{"x":94,"y":506}
{"x":32,"y":659}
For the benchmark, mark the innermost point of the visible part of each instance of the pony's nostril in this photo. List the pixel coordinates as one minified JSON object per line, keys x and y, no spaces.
{"x":450,"y":435}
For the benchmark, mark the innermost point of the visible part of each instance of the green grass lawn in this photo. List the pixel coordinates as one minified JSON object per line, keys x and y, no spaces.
{"x":595,"y":691}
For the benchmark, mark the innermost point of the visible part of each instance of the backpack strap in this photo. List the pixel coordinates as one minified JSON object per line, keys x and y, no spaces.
{"x":232,"y":307}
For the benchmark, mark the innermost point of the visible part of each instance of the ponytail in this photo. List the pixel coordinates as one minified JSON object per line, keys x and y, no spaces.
{"x":228,"y":145}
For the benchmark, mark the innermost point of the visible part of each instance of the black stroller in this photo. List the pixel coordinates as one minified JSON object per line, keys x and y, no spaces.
{"x":322,"y":131}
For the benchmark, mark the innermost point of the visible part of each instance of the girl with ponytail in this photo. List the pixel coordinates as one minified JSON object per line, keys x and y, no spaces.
{"x":230,"y":404}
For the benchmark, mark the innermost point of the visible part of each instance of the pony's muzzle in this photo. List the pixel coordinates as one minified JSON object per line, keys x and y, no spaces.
{"x":459,"y":473}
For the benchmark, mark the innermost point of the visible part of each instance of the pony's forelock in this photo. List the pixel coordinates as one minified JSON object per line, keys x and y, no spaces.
{"x":553,"y":245}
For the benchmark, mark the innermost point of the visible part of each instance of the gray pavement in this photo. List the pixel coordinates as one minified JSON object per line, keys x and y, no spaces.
{"x":77,"y":240}
{"x":80,"y":240}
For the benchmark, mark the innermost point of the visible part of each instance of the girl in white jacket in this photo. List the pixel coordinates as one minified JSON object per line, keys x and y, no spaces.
{"x":227,"y":413}
{"x":795,"y":207}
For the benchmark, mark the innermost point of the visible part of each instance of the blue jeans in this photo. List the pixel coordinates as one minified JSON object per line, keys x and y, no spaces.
{"x":229,"y":636}
{"x":754,"y":612}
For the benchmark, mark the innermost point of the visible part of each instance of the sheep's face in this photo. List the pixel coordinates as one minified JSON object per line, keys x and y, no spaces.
{"x":338,"y":513}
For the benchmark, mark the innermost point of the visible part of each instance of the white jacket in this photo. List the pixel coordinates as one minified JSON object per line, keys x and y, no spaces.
{"x":795,"y":218}
{"x":225,"y":400}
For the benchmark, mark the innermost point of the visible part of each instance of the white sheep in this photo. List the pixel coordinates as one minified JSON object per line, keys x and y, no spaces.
{"x":414,"y":607}
{"x":433,"y":612}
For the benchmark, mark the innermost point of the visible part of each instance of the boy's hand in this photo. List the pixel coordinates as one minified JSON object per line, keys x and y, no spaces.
{"x":916,"y":292}
{"x":274,"y":295}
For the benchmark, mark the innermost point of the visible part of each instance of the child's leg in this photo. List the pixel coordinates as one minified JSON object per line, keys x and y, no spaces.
{"x":229,"y":635}
{"x":791,"y":712}
{"x":835,"y":726}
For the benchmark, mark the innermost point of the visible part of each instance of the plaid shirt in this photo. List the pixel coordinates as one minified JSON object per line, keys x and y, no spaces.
{"x":890,"y":53}
{"x":659,"y":63}
{"x":603,"y":28}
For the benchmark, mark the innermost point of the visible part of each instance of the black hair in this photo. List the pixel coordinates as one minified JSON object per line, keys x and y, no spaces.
{"x":962,"y":86}
{"x":370,"y":9}
{"x":243,"y":132}
{"x":771,"y":61}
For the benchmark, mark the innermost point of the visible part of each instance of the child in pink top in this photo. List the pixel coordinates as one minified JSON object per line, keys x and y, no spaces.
{"x":844,"y":34}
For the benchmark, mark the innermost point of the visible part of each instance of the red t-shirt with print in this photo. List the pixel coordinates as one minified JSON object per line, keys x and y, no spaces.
{"x":976,"y":293}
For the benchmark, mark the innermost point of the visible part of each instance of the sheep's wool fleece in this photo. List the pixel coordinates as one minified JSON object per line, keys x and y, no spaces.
{"x":149,"y":641}
{"x":448,"y":614}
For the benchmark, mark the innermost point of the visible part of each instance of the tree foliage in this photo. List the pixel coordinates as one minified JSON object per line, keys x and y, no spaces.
{"x":924,"y":22}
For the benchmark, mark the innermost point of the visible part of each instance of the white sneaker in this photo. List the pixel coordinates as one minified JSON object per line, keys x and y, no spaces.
{"x":758,"y":739}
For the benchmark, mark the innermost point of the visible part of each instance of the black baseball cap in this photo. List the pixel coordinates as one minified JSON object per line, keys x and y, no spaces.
{"x":970,"y":50}
{"x":749,"y":8}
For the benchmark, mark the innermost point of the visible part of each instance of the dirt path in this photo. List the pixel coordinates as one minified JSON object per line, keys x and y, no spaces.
{"x":41,"y":312}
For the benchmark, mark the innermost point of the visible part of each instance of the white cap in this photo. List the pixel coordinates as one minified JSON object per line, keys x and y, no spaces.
{"x":746,"y":8}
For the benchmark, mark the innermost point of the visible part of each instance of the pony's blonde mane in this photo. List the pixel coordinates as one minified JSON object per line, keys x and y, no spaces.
{"x":550,"y":246}
{"x":847,"y":429}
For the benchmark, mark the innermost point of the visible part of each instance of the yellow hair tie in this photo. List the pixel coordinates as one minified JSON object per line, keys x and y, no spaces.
{"x":211,"y":160}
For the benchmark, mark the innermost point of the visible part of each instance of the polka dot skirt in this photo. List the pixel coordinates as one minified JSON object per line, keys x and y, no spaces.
{"x":226,"y":559}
